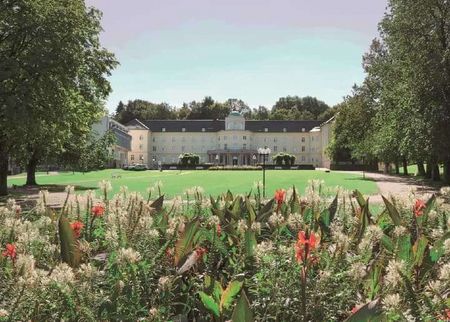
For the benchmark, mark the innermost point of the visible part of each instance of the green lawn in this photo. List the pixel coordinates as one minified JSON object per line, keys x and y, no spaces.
{"x":214,"y":182}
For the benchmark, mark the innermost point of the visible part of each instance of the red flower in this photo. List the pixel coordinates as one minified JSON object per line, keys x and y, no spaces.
{"x":77,"y":226}
{"x":304,"y":246}
{"x":280,"y":194}
{"x":219,"y":230}
{"x":98,"y":210}
{"x":10,"y":251}
{"x":419,"y":206}
{"x":200,"y":251}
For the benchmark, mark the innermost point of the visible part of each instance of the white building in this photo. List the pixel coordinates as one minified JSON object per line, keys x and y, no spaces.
{"x":122,"y":146}
{"x":233,"y":141}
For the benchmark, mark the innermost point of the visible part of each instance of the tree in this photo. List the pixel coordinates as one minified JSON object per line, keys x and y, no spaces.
{"x":308,"y":106}
{"x":261,"y":113}
{"x":52,"y":79}
{"x":92,"y":154}
{"x":144,"y":110}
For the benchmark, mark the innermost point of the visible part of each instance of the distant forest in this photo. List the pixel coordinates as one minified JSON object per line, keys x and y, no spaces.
{"x":286,"y":108}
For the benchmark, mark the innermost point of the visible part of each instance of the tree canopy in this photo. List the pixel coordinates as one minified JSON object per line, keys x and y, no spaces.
{"x":309,"y":108}
{"x":52,"y":78}
{"x":405,"y":97}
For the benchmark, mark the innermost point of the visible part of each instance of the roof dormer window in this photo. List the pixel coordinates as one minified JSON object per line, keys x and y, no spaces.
{"x":163,"y":129}
{"x":266,"y":129}
{"x":183,"y":129}
{"x":203,"y":129}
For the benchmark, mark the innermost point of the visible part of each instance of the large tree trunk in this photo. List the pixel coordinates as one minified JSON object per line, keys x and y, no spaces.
{"x":420,"y":169}
{"x":428,"y":172}
{"x":446,"y":175}
{"x":386,"y":168}
{"x":397,"y":167}
{"x":435,"y":175}
{"x":3,"y":173}
{"x":31,"y":170}
{"x":405,"y":167}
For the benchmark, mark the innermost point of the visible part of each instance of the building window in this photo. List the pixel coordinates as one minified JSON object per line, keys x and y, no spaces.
{"x":244,"y":138}
{"x":303,"y":148}
{"x":303,"y":139}
{"x":182,"y":148}
{"x":225,"y":146}
{"x":141,"y":157}
{"x":274,"y":139}
{"x":141,"y":137}
{"x":225,"y":138}
{"x":275,"y":148}
{"x":140,"y":146}
{"x":132,"y":157}
{"x":303,"y":159}
{"x":266,"y":129}
{"x":183,"y":129}
{"x":163,"y":129}
{"x":234,"y":137}
{"x":153,"y":139}
{"x":154,"y":148}
{"x":244,"y":146}
{"x":284,"y":149}
{"x":162,"y":149}
{"x":312,"y":138}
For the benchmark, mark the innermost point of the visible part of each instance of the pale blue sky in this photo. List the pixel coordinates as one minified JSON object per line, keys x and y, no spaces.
{"x":177,"y":51}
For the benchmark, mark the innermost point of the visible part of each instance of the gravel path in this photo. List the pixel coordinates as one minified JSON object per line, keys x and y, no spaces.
{"x":397,"y":185}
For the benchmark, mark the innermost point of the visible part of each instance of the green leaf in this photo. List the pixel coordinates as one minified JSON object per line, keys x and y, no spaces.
{"x":333,"y":208}
{"x":438,"y":249}
{"x":217,"y":291}
{"x":184,"y":245}
{"x":419,"y":250}
{"x":250,"y":243}
{"x":368,"y":312}
{"x":393,"y":212}
{"x":404,"y":248}
{"x":265,"y":211}
{"x":364,"y":220}
{"x":294,"y":202}
{"x":69,"y":252}
{"x":242,"y":311}
{"x":229,"y":293}
{"x":209,"y":303}
{"x":158,"y":203}
{"x":387,"y":243}
{"x":251,"y":211}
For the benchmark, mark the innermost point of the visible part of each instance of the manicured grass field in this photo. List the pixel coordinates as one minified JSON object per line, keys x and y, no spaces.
{"x":175,"y":182}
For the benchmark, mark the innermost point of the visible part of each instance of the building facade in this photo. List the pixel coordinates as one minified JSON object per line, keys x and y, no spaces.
{"x":233,"y":141}
{"x":122,"y":146}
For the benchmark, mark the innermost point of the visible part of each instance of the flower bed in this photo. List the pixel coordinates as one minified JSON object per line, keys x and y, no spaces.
{"x":239,"y":258}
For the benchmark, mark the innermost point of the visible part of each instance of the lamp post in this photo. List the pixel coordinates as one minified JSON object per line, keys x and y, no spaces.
{"x":264,"y":154}
{"x":254,"y":159}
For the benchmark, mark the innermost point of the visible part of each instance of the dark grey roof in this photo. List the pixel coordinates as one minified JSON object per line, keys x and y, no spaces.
{"x":219,"y":125}
{"x":280,"y":126}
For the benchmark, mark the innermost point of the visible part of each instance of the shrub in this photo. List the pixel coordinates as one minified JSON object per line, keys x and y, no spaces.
{"x":189,"y":159}
{"x":285,"y":158}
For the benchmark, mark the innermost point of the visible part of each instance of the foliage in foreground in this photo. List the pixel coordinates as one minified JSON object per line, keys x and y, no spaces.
{"x":235,"y":257}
